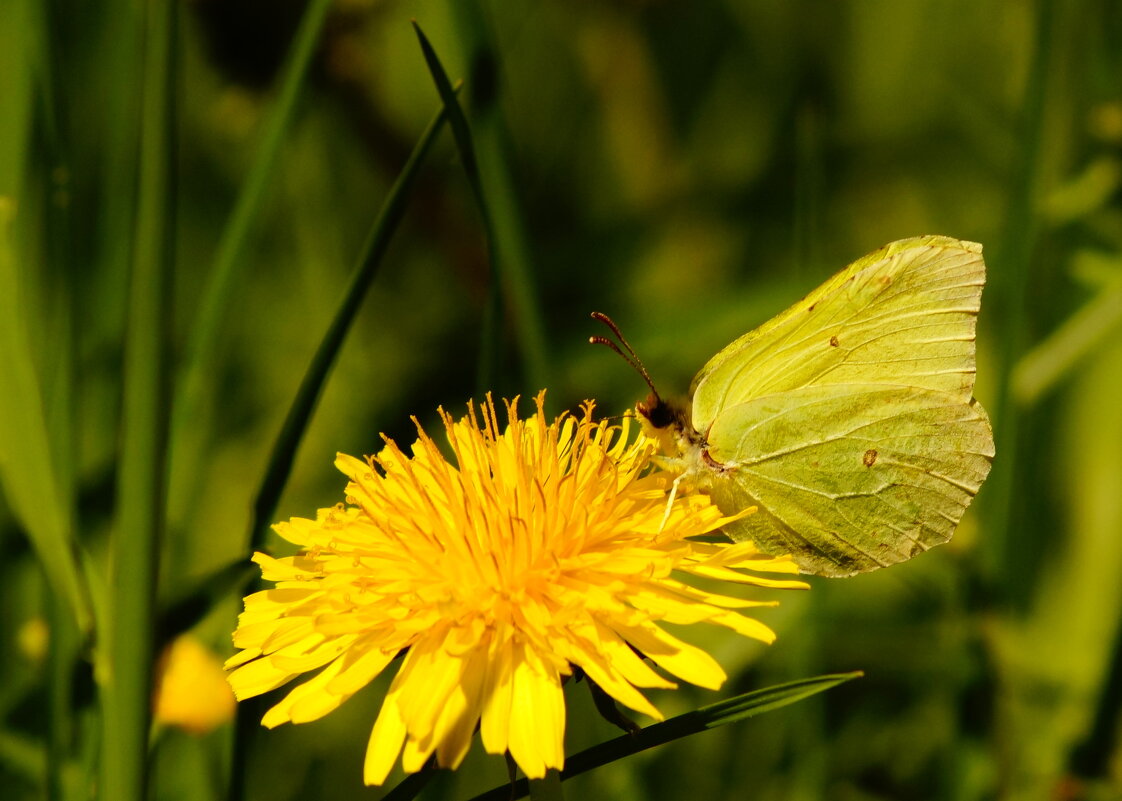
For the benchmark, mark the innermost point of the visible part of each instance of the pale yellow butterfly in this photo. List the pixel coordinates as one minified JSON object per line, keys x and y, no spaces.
{"x":849,"y":421}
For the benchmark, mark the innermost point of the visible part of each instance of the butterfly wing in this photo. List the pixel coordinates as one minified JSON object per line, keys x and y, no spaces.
{"x":849,"y":419}
{"x":903,"y":315}
{"x":849,"y":479}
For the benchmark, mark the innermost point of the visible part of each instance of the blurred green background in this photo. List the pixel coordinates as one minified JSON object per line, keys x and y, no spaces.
{"x":690,"y":169}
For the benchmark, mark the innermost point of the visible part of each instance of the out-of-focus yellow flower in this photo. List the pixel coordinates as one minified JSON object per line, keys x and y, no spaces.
{"x":32,"y":639}
{"x":544,"y":548}
{"x":191,"y":689}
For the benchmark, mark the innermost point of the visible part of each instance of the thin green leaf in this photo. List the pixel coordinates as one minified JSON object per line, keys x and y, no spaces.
{"x":370,"y":259}
{"x":191,"y":605}
{"x":412,"y":785}
{"x":757,"y":702}
{"x":17,"y":51}
{"x":1043,"y":367}
{"x":505,"y":242}
{"x":489,"y":327}
{"x":23,"y":756}
{"x":456,"y":120}
{"x":708,"y":717}
{"x":29,"y":478}
{"x":204,"y":338}
{"x":58,"y":349}
{"x":548,"y":788}
{"x":126,"y":684}
{"x":1012,"y":274}
{"x":497,"y":176}
{"x":296,"y":421}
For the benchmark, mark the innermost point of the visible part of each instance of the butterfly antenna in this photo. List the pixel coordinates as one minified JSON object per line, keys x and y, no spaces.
{"x":631,"y":357}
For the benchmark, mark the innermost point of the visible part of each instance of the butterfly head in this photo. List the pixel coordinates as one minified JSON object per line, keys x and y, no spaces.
{"x":668,"y":423}
{"x":657,"y":412}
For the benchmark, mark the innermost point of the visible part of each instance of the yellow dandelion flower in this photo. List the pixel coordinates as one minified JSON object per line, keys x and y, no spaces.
{"x":543,"y":549}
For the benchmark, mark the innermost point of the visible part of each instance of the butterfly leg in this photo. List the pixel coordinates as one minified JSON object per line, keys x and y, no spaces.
{"x":670,"y":502}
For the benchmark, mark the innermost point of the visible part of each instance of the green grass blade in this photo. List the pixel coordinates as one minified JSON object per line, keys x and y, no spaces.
{"x":59,"y":348}
{"x":134,"y":549}
{"x":34,"y":486}
{"x":29,"y":478}
{"x":491,"y":187}
{"x":296,"y":422}
{"x":190,"y":605}
{"x":456,"y":120}
{"x":547,"y":788}
{"x":370,"y":259}
{"x":1046,"y":365}
{"x":205,"y":333}
{"x":489,"y":356}
{"x":24,"y":757}
{"x":1011,"y":278}
{"x":16,"y":56}
{"x":757,"y":702}
{"x":412,"y":785}
{"x":708,"y":717}
{"x":494,"y":147}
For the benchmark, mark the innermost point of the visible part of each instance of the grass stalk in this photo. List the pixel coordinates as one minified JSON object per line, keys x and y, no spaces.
{"x":370,"y":259}
{"x":65,"y":636}
{"x":483,"y":154}
{"x":731,"y":710}
{"x":1012,"y":276}
{"x":299,"y":414}
{"x":547,"y":788}
{"x":126,"y":675}
{"x":202,"y":349}
{"x":35,"y":484}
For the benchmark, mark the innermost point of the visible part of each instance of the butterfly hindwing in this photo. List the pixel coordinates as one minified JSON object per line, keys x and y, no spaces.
{"x":848,"y":481}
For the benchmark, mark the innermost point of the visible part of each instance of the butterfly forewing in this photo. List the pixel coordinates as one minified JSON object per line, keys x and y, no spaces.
{"x":903,"y":315}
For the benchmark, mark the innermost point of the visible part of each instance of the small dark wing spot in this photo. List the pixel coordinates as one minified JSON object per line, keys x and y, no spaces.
{"x":834,"y":342}
{"x":810,"y":308}
{"x":870,"y":458}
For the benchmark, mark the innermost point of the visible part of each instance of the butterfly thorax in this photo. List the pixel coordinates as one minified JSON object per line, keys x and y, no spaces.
{"x":683,"y":447}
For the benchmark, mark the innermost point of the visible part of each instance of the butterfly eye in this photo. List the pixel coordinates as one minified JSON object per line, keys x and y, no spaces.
{"x":658,"y":412}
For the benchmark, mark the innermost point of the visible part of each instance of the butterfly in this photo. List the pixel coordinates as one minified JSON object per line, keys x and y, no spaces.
{"x":848,"y":421}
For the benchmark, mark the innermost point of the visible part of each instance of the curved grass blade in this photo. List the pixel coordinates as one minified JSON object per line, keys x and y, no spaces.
{"x":510,"y":275}
{"x":1013,"y":273}
{"x":186,"y":608}
{"x":547,"y":788}
{"x":35,"y":488}
{"x":29,"y":478}
{"x":300,"y":412}
{"x":295,"y":423}
{"x":23,"y":757}
{"x":411,"y":786}
{"x":708,"y":717}
{"x":1046,"y":365}
{"x":203,"y":342}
